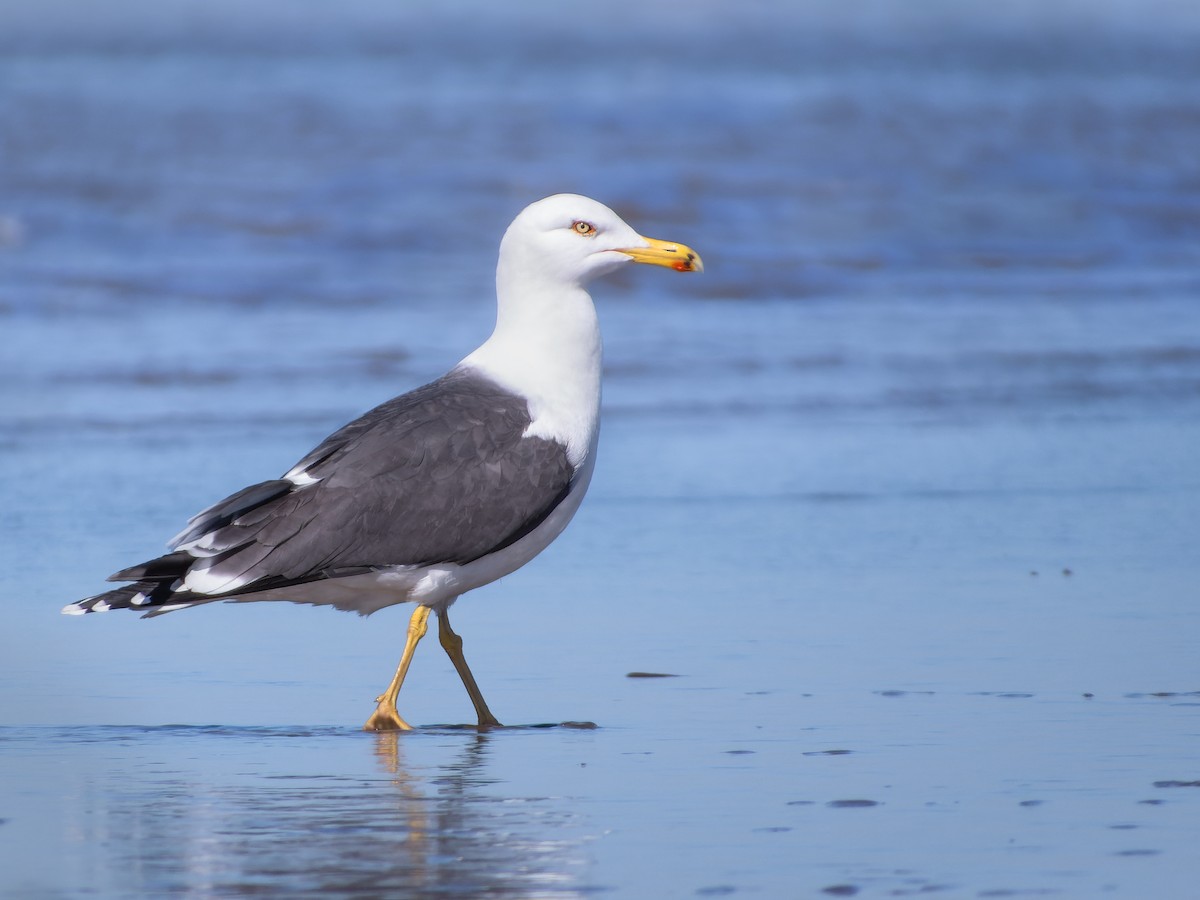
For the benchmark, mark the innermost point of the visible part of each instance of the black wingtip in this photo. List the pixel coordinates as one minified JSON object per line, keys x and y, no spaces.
{"x":164,"y":568}
{"x":144,"y":596}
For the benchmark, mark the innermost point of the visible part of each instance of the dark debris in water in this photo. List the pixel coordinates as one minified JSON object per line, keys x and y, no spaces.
{"x":840,"y":890}
{"x":650,"y":675}
{"x":852,"y":804}
{"x":1066,"y":573}
{"x":1176,"y":784}
{"x":827,"y":752}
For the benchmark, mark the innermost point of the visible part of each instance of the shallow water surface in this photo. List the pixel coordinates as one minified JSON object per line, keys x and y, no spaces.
{"x":888,"y":793}
{"x":902,"y":491}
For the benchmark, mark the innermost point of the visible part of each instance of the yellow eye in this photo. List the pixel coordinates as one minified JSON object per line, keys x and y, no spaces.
{"x":584,"y":228}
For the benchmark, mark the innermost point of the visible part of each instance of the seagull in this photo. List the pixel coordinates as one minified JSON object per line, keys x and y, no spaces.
{"x":438,"y":491}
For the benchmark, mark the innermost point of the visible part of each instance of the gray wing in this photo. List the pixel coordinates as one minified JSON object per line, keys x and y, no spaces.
{"x":443,"y":474}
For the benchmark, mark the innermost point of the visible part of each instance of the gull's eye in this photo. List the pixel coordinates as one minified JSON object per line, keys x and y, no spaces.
{"x":586,"y":228}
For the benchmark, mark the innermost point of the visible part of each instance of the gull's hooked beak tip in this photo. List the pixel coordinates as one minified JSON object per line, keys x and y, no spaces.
{"x":675,"y":256}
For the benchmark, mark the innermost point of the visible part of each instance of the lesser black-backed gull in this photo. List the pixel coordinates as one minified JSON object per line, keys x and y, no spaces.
{"x":443,"y":489}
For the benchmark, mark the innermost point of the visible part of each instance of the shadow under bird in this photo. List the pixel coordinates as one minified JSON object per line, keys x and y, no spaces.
{"x":443,"y":489}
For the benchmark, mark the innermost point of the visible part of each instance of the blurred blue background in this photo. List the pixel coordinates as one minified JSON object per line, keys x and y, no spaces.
{"x":928,"y":422}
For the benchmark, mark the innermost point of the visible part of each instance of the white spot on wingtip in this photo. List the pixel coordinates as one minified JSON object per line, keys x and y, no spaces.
{"x":203,"y":581}
{"x":74,"y":609}
{"x":139,"y":599}
{"x":101,"y":606}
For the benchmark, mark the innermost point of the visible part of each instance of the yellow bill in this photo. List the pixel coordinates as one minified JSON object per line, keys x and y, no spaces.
{"x":679,"y":257}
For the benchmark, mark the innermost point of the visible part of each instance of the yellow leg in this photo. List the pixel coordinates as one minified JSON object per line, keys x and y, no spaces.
{"x":385,"y":717}
{"x":452,"y":644}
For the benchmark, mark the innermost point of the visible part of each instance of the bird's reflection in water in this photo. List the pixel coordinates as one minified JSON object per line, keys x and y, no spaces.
{"x":433,"y":822}
{"x":465,"y":836}
{"x":435,"y":825}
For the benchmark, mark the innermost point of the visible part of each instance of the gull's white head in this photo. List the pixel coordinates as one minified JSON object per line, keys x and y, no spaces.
{"x":569,"y":239}
{"x":546,"y":345}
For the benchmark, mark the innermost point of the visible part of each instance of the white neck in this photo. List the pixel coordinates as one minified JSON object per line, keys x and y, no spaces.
{"x":546,"y":346}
